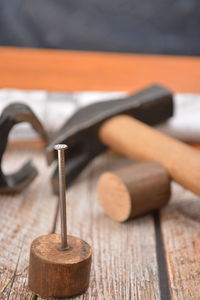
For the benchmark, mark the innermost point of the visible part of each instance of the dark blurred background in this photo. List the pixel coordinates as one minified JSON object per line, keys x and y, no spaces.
{"x":140,"y":26}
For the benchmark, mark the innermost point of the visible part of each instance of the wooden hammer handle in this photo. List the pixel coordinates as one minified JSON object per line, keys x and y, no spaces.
{"x":135,"y":139}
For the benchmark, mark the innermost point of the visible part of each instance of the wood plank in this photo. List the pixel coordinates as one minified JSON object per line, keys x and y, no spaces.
{"x":180,"y":226}
{"x":22,"y":218}
{"x":58,"y":70}
{"x":124,"y":256}
{"x":113,"y":273}
{"x":120,"y":264}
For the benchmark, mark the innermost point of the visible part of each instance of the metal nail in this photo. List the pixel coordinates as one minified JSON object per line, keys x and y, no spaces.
{"x":62,"y":197}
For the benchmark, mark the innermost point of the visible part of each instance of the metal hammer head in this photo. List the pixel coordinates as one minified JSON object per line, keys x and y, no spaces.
{"x":151,"y":105}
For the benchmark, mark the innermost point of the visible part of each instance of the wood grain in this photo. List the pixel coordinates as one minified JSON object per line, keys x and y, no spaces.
{"x":124,"y":255}
{"x":22,"y":218}
{"x":113,"y":274}
{"x":180,"y":226}
{"x":134,"y":191}
{"x":120,"y":268}
{"x":59,"y":273}
{"x":58,"y":70}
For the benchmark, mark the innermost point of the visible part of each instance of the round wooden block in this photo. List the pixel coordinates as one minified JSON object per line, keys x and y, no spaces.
{"x":57,"y":273}
{"x":134,"y":191}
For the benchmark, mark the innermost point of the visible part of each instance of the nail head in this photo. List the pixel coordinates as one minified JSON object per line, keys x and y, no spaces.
{"x":60,"y":147}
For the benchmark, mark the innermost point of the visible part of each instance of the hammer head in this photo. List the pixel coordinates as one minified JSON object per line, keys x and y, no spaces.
{"x":151,"y":105}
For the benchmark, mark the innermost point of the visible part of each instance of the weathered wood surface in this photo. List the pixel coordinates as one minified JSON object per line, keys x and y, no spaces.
{"x":22,"y":218}
{"x":124,"y":257}
{"x":181,"y":231}
{"x":121,"y":267}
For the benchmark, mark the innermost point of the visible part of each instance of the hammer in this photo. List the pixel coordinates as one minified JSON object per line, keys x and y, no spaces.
{"x":82,"y":131}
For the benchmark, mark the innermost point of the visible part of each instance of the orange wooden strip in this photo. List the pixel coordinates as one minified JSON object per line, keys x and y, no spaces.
{"x":76,"y":70}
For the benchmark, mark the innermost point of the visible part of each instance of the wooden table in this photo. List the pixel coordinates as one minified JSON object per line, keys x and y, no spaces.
{"x":153,"y":257}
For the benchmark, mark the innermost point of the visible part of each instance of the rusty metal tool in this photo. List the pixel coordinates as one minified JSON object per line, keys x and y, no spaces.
{"x":59,"y":264}
{"x":12,"y":115}
{"x":81,"y":132}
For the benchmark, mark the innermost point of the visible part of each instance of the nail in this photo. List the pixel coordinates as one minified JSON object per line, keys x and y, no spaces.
{"x":62,"y":197}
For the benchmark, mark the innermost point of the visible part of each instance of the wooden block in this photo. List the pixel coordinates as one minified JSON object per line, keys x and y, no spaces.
{"x":134,"y":191}
{"x":59,"y":273}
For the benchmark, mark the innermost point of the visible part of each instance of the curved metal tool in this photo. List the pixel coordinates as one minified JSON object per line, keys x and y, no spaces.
{"x":151,"y":105}
{"x":13,"y":114}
